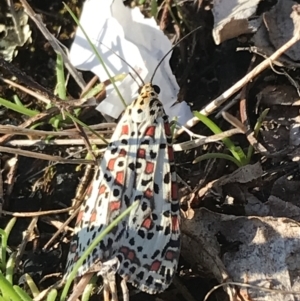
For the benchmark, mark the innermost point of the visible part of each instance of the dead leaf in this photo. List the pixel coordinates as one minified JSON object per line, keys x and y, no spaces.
{"x":266,"y":253}
{"x":231,"y":18}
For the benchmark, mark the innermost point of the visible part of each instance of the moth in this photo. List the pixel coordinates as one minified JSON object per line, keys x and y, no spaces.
{"x":138,"y":165}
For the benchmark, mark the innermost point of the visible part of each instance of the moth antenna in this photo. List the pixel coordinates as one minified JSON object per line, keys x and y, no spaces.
{"x":123,"y":60}
{"x":162,"y":59}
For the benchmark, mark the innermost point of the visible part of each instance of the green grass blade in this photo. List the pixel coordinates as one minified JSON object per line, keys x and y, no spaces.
{"x":87,"y":292}
{"x":17,"y":108}
{"x":9,"y":273}
{"x":91,"y":247}
{"x":60,"y":88}
{"x":7,"y":289}
{"x":32,"y":286}
{"x":4,"y":237}
{"x":237,"y":152}
{"x":3,"y":250}
{"x":52,"y":295}
{"x":24,"y":296}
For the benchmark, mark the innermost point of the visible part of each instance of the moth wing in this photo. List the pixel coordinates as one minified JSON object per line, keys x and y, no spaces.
{"x":108,"y":196}
{"x":149,"y":252}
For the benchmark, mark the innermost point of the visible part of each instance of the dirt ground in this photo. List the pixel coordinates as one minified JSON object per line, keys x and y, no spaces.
{"x":203,"y":71}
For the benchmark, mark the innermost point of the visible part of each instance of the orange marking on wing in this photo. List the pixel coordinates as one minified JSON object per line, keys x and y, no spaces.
{"x":147,"y":223}
{"x":171,"y":153}
{"x":124,"y":250}
{"x":148,"y":193}
{"x":79,"y":217}
{"x":170,"y":255}
{"x":125,"y":129}
{"x":155,"y":266}
{"x":175,"y":224}
{"x":122,"y":153}
{"x":128,"y":253}
{"x":174,"y":191}
{"x":93,"y":215}
{"x":120,"y":178}
{"x":167,"y":129}
{"x":149,"y":167}
{"x":131,"y":255}
{"x":102,"y":189}
{"x":141,"y":153}
{"x":150,"y":131}
{"x":89,"y":190}
{"x":111,"y":164}
{"x":115,"y":205}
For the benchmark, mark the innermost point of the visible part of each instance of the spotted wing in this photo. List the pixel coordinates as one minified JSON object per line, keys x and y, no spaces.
{"x":150,"y":249}
{"x":108,"y":196}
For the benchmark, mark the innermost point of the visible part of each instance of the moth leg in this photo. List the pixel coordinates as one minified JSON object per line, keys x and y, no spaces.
{"x":125,"y":291}
{"x":113,"y":289}
{"x":108,"y":273}
{"x":106,"y":290}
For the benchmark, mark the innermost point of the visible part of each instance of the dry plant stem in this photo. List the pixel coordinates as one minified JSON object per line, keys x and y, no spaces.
{"x":38,"y":118}
{"x":89,"y":85}
{"x":39,"y":142}
{"x":243,"y":101}
{"x":26,"y":90}
{"x":36,"y":214}
{"x":246,"y":79}
{"x":11,"y":177}
{"x":84,"y":182}
{"x":43,"y":294}
{"x":62,"y":228}
{"x":55,"y":223}
{"x":43,"y":156}
{"x":198,"y":142}
{"x":17,"y":130}
{"x":80,"y":286}
{"x":53,"y":42}
{"x":26,"y":236}
{"x":85,"y":139}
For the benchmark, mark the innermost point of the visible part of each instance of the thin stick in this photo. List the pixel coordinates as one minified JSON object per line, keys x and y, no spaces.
{"x":36,"y":214}
{"x":35,"y":142}
{"x":43,"y":156}
{"x":53,"y":42}
{"x":213,"y":138}
{"x":62,"y":227}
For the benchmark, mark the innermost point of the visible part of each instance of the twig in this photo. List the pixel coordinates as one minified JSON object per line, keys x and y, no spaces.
{"x":36,"y":214}
{"x":43,"y":156}
{"x":17,"y":130}
{"x":62,"y":227}
{"x":53,"y":42}
{"x":198,"y":142}
{"x":39,"y":142}
{"x":38,"y":118}
{"x":11,"y":175}
{"x":26,"y":236}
